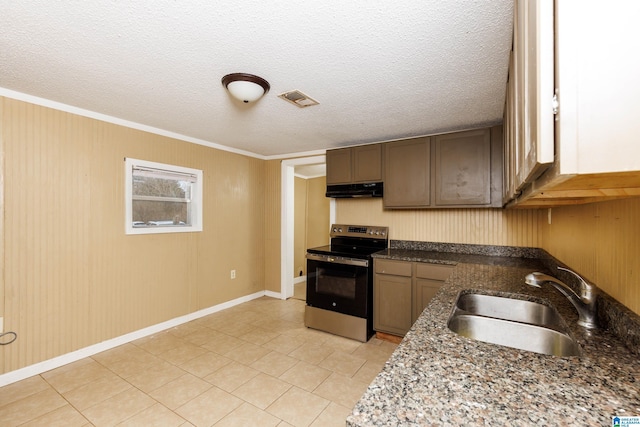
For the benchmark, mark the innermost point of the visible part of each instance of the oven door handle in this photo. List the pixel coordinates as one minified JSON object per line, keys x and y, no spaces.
{"x":339,"y":260}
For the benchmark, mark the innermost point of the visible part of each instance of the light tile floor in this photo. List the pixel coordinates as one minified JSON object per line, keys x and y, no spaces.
{"x":251,"y":365}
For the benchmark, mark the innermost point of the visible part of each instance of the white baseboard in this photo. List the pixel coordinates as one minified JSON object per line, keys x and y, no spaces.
{"x":273,"y":294}
{"x":56,"y":362}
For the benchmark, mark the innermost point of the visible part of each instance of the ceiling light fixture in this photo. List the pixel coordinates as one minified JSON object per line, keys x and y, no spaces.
{"x":245,"y":87}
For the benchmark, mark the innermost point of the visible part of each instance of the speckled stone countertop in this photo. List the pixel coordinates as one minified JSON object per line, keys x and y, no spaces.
{"x":436,"y":377}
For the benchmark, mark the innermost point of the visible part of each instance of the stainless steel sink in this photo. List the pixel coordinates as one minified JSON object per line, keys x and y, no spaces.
{"x":511,"y":322}
{"x":509,"y":309}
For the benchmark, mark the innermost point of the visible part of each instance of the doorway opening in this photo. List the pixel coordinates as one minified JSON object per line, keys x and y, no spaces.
{"x":289,"y":169}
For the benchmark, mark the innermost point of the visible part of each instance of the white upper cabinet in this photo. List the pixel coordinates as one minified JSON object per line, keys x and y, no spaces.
{"x":584,"y":53}
{"x":533,"y":65}
{"x":598,"y":76}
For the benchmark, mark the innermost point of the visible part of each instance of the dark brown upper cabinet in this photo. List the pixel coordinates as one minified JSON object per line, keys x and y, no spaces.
{"x":460,"y":169}
{"x":354,"y":164}
{"x":462,"y":173}
{"x":407,"y":178}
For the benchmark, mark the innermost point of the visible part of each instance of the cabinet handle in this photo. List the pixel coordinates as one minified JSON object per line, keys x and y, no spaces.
{"x":555,"y":104}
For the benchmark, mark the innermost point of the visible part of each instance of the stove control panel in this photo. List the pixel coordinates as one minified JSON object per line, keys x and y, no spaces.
{"x":372,"y":232}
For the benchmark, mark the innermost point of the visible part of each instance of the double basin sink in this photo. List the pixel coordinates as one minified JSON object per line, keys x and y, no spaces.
{"x":512,"y":322}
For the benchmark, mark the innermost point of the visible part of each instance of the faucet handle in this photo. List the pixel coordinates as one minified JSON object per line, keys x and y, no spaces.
{"x":587,"y":289}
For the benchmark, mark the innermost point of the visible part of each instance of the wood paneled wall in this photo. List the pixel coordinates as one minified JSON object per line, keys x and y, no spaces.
{"x":600,"y":241}
{"x":300,"y":226}
{"x":72,"y":278}
{"x":311,"y":216}
{"x":474,"y":226}
{"x":273,"y":201}
{"x":318,"y":213}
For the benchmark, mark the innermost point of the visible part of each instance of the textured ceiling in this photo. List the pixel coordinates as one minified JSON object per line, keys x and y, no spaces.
{"x":381,"y":70}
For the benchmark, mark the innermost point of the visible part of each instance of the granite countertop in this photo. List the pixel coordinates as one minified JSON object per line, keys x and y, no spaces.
{"x":436,"y":377}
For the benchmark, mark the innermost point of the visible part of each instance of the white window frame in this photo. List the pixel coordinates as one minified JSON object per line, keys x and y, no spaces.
{"x":196,"y":198}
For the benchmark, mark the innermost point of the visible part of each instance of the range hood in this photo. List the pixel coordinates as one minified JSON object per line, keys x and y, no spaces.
{"x":371,"y":189}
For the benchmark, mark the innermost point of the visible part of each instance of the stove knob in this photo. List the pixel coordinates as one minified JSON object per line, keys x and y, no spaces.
{"x":377,"y":232}
{"x":370,"y":231}
{"x":335,"y":229}
{"x":340,"y":230}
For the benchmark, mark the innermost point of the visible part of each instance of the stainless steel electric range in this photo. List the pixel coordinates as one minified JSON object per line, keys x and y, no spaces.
{"x":340,"y":281}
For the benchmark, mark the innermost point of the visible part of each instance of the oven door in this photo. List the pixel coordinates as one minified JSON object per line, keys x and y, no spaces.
{"x":339,"y":284}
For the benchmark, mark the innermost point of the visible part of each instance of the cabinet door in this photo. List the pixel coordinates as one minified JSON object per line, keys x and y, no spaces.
{"x":597,"y":79}
{"x":407,"y":173}
{"x":439,"y":272}
{"x":428,"y":280}
{"x":393,"y":267}
{"x":462,"y":174}
{"x":392,"y":304}
{"x":367,"y":163}
{"x":529,"y":113}
{"x":538,"y":86}
{"x":509,"y":137}
{"x":339,"y":166}
{"x":423,"y":292}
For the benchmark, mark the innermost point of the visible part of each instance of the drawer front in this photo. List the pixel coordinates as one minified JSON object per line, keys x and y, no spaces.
{"x":433,"y":271}
{"x":395,"y":268}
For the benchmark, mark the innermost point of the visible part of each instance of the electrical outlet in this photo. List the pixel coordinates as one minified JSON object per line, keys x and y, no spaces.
{"x":233,"y":274}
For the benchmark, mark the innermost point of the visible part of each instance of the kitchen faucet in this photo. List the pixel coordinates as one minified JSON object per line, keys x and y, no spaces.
{"x":585,"y":303}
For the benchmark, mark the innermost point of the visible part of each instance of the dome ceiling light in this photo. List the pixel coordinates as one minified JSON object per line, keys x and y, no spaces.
{"x":245,"y":87}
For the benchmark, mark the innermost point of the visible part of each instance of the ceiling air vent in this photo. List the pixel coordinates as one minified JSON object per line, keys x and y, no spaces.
{"x":298,"y":98}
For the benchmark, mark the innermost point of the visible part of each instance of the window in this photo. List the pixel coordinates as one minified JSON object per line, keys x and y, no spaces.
{"x":162,"y":198}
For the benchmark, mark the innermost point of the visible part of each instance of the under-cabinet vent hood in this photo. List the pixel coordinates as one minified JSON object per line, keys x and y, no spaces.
{"x":373,"y":189}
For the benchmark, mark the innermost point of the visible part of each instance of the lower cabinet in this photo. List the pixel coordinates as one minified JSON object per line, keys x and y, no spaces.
{"x":392,"y":296}
{"x":402,"y":290}
{"x":427,"y":281}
